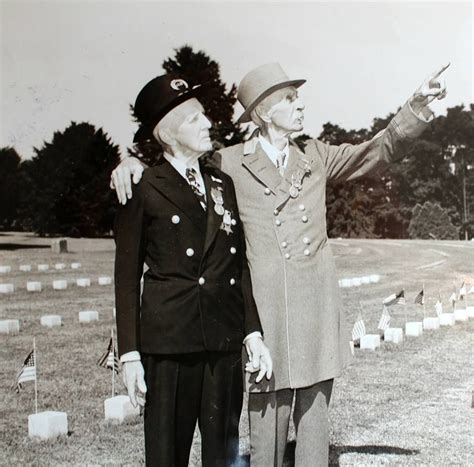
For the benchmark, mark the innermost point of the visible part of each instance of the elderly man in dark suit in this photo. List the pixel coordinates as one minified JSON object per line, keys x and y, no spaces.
{"x":281,"y":193}
{"x":197,"y":304}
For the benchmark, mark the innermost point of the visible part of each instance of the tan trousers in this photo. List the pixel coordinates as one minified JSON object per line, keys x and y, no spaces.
{"x":269,"y":417}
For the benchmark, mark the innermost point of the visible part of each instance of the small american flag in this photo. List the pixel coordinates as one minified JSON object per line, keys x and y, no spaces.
{"x":109,"y":358}
{"x":395,"y":299}
{"x":452,"y":298}
{"x":462,"y":291}
{"x":359,"y":328}
{"x":420,"y":298}
{"x":384,"y":322}
{"x":439,"y":307}
{"x":27,"y":372}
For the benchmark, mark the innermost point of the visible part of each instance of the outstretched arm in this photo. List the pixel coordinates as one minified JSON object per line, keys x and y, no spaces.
{"x":348,"y":161}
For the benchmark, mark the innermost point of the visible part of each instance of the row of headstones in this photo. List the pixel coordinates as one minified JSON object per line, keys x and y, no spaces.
{"x":358,"y":281}
{"x":36,"y":286}
{"x":41,"y":267}
{"x":51,"y":424}
{"x":415,"y":328}
{"x":12,"y":326}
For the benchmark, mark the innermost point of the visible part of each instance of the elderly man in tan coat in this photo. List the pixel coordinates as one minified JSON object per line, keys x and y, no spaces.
{"x":281,"y":195}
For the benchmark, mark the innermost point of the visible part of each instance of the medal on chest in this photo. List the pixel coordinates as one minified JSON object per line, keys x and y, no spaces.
{"x":219,"y":208}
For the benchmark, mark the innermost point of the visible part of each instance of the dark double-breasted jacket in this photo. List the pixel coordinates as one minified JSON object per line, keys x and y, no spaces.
{"x":197,"y":293}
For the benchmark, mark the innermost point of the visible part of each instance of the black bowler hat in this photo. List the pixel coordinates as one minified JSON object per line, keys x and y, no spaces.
{"x":158,"y":97}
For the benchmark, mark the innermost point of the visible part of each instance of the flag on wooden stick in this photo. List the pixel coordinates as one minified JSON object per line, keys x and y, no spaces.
{"x":395,"y":299}
{"x":420,"y":298}
{"x":109,"y":358}
{"x":384,"y":322}
{"x":462,"y":291}
{"x":359,"y":328}
{"x":27,"y":372}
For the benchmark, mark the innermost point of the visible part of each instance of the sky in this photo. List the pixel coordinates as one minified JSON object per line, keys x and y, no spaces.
{"x":70,"y":60}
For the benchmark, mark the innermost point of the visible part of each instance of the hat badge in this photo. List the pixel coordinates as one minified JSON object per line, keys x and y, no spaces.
{"x":179,"y":85}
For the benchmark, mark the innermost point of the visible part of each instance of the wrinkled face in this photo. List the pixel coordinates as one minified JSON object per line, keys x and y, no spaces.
{"x":188,"y":127}
{"x":287,"y":113}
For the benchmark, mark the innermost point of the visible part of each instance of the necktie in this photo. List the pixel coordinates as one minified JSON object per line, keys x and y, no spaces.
{"x":192,"y":180}
{"x":281,"y":163}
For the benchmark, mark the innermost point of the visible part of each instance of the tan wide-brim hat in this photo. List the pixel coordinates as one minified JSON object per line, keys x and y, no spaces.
{"x":260,"y":83}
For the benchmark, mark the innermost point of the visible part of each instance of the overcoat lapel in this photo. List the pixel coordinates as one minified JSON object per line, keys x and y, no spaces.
{"x":297,"y":166}
{"x":260,"y":165}
{"x":175,"y":188}
{"x":214,"y":221}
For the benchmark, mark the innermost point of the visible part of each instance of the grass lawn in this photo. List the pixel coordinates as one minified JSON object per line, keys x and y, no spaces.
{"x":403,"y":404}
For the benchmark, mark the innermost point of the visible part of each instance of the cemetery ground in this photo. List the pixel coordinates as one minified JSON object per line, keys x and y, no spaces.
{"x":402,"y":404}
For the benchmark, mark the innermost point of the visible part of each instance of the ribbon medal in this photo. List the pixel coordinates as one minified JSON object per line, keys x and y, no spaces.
{"x":216,"y":195}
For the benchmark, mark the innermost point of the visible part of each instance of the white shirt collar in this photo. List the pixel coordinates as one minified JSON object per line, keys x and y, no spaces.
{"x":181,"y":166}
{"x":272,"y":152}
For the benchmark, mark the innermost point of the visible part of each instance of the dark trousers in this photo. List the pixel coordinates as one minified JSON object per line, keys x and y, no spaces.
{"x":182,"y":389}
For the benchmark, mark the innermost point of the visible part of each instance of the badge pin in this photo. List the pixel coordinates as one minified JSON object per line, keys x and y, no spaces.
{"x":294,"y":192}
{"x":215,"y":179}
{"x":219,"y":209}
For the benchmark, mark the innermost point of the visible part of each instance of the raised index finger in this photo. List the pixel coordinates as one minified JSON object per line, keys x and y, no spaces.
{"x":437,"y":73}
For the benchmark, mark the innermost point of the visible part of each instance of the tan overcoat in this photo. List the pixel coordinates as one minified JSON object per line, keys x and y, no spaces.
{"x":293,"y":274}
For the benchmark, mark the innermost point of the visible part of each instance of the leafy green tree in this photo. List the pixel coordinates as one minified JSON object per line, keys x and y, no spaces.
{"x":10,"y":186}
{"x":431,"y":221}
{"x":218,"y":102}
{"x":68,"y":183}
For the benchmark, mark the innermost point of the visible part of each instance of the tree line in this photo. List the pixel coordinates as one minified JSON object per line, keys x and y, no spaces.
{"x":64,"y":188}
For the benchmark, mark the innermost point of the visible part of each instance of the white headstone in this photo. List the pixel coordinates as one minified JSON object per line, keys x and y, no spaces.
{"x":105,"y":280}
{"x":9,"y":326}
{"x":394,"y":335}
{"x":83,"y":282}
{"x":119,"y":408}
{"x":75,"y":265}
{"x":356,"y":281}
{"x":88,"y":316}
{"x":346,"y":282}
{"x":114,"y":311}
{"x":370,"y":341}
{"x":460,"y":315}
{"x":25,"y":267}
{"x":374,"y":278}
{"x":60,"y":285}
{"x":431,"y":323}
{"x":5,"y":269}
{"x":59,"y":245}
{"x":50,"y":321}
{"x":43,"y":267}
{"x":7,"y":288}
{"x":46,"y":425}
{"x":351,"y":344}
{"x":446,"y":319}
{"x":470,"y":311}
{"x":59,"y":266}
{"x":365,"y":280}
{"x":414,"y":328}
{"x":33,"y":286}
